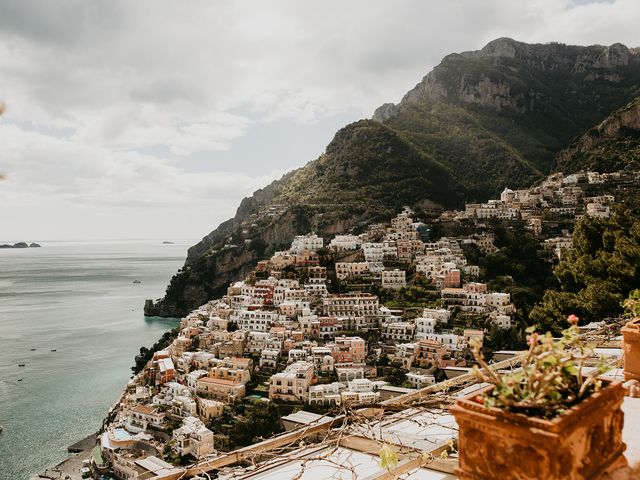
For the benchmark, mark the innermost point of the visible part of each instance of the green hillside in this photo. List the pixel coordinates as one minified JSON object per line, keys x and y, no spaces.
{"x":478,"y":122}
{"x":612,"y":145}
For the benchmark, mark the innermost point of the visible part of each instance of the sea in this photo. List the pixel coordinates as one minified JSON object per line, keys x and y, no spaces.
{"x":71,"y":313}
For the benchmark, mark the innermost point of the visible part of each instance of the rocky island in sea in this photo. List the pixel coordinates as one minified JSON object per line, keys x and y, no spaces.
{"x":20,"y":245}
{"x":332,"y":319}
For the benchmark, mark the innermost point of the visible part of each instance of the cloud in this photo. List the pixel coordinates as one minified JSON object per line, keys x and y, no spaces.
{"x":65,"y":63}
{"x":126,"y":128}
{"x":64,"y":170}
{"x":126,"y":105}
{"x":54,"y":178}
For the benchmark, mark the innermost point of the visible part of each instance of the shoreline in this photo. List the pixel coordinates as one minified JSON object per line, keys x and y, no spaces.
{"x":78,"y":452}
{"x":87,"y":443}
{"x":70,"y":467}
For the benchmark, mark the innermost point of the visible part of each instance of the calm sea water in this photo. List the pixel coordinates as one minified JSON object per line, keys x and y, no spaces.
{"x":79,"y":299}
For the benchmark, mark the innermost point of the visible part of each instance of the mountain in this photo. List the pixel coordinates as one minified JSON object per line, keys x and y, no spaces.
{"x":367,"y":173}
{"x":612,"y":145}
{"x":479,"y":121}
{"x":510,"y":107}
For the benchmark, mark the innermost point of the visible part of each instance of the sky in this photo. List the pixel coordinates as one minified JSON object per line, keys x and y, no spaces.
{"x":153,"y":119}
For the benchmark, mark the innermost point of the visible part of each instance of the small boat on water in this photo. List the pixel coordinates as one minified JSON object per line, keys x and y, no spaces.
{"x":54,"y":350}
{"x":33,"y":349}
{"x":21,"y":364}
{"x":1,"y":428}
{"x":19,"y":379}
{"x":137,"y":281}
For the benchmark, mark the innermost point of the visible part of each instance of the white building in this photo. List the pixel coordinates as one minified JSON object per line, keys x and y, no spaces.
{"x":399,"y":331}
{"x":292,"y":385}
{"x":302,"y":243}
{"x":442,"y":315}
{"x":193,"y":438}
{"x":345,"y":242}
{"x":360,"y":391}
{"x":192,"y":378}
{"x":420,"y":380}
{"x":326,"y":394}
{"x":184,"y":406}
{"x":394,"y":279}
{"x":350,"y":305}
{"x":598,"y":211}
{"x":346,"y":374}
{"x":373,"y":252}
{"x":449,"y":340}
{"x":256,"y":320}
{"x":141,"y":417}
{"x":322,"y":359}
{"x":424,"y":327}
{"x":501,"y":321}
{"x":269,"y":358}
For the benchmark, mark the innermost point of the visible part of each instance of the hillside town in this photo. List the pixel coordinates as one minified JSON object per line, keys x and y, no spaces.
{"x":309,"y":329}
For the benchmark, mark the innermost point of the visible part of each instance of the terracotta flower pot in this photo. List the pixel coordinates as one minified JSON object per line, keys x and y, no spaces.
{"x":631,"y":334}
{"x":583,"y":443}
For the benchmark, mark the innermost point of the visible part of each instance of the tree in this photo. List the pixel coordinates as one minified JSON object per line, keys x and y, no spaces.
{"x":395,"y":374}
{"x":596,"y":274}
{"x":146,"y":354}
{"x":259,"y":420}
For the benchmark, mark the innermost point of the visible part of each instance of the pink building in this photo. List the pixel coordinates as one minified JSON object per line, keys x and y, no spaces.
{"x":348,"y":350}
{"x":452,"y":279}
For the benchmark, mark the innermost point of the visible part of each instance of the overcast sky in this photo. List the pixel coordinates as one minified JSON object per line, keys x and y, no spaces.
{"x":151,"y":119}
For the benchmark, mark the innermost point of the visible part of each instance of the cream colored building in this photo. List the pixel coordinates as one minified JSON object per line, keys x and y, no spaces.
{"x":345,"y":270}
{"x":209,"y":409}
{"x":193,"y":438}
{"x":226,"y":391}
{"x":293,"y":384}
{"x":394,"y":279}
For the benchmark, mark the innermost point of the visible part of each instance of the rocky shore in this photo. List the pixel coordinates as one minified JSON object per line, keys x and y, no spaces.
{"x":70,"y":468}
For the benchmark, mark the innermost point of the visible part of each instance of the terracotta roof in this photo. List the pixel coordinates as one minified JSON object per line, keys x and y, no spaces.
{"x":217,"y":380}
{"x":241,"y":360}
{"x":143,"y":409}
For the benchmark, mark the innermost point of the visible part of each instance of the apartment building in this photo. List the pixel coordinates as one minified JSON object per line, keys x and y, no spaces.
{"x":394,"y":279}
{"x":345,"y":270}
{"x":309,"y":242}
{"x":293,"y":384}
{"x":398,"y":331}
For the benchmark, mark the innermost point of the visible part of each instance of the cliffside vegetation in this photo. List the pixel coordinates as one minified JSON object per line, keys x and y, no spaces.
{"x":596,"y":275}
{"x":612,"y":145}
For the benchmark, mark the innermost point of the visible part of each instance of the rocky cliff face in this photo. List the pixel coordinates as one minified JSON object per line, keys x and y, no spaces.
{"x":485,"y":77}
{"x":478,"y":122}
{"x":612,"y":145}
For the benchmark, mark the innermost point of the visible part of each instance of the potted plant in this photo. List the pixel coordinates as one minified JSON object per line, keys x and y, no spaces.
{"x":545,"y":420}
{"x":631,"y":335}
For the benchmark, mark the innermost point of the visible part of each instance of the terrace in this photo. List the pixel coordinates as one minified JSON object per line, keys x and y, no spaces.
{"x":416,"y":426}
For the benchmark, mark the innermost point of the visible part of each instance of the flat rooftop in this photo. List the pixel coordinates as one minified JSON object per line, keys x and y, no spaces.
{"x":416,"y":425}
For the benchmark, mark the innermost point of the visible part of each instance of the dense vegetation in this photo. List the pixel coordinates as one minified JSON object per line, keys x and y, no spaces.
{"x":596,"y":275}
{"x":146,"y":354}
{"x":520,"y":267}
{"x":246,"y":423}
{"x":613,"y":145}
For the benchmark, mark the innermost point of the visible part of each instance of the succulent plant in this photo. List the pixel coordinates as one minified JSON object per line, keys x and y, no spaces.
{"x":551,"y":378}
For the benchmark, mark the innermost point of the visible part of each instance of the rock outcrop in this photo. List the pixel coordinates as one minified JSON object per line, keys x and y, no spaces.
{"x":20,"y":245}
{"x":612,"y":145}
{"x":489,"y":77}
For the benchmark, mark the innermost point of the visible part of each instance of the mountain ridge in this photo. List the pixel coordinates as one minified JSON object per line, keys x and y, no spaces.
{"x":611,"y":145}
{"x":478,"y":122}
